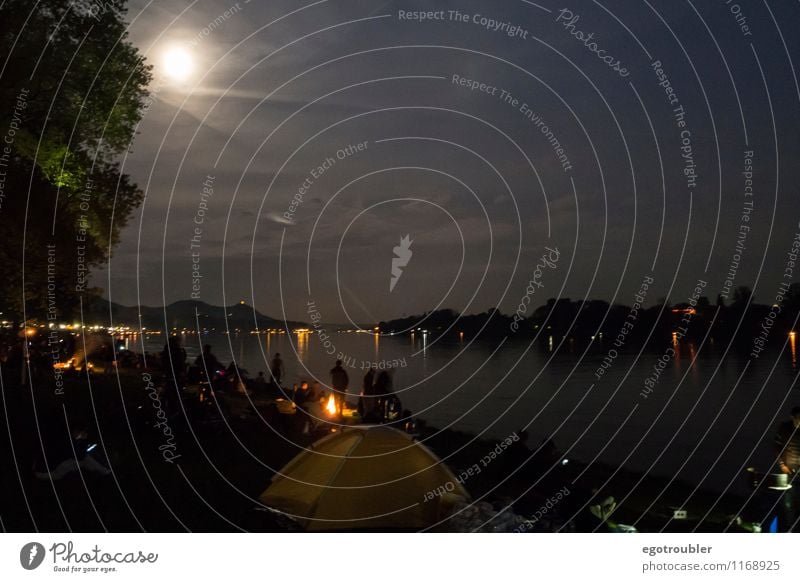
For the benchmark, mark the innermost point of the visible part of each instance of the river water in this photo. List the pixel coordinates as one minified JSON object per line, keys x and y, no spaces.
{"x":708,"y":417}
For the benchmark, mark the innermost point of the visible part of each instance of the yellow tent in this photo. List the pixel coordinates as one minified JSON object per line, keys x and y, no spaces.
{"x":365,"y":477}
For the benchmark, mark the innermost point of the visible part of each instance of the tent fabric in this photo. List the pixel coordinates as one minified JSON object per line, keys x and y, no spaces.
{"x":364,"y":477}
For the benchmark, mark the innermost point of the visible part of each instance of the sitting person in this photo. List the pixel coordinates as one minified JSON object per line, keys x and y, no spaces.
{"x":208,"y":362}
{"x":300,"y":394}
{"x":388,"y":404}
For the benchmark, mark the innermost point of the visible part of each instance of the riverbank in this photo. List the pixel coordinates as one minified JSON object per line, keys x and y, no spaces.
{"x":219,"y":464}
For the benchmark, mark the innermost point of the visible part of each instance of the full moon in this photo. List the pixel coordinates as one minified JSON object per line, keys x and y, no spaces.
{"x":178,"y":64}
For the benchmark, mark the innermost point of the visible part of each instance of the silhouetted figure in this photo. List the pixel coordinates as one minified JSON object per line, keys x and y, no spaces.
{"x":339,"y":383}
{"x":367,"y":404}
{"x":300,"y":394}
{"x":315,"y":407}
{"x":277,"y":369}
{"x":173,"y":356}
{"x":208,"y":362}
{"x":311,"y":399}
{"x":315,"y":391}
{"x":387,"y":403}
{"x":787,"y":448}
{"x":232,"y":376}
{"x":369,"y":382}
{"x":383,"y":385}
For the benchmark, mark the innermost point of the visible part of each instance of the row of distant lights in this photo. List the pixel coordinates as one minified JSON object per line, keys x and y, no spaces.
{"x":30,"y":330}
{"x":175,"y":329}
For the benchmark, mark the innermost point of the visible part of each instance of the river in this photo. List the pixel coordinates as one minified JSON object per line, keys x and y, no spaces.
{"x":707,"y":417}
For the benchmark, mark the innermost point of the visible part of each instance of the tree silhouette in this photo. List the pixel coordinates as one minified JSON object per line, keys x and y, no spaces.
{"x":72,"y":90}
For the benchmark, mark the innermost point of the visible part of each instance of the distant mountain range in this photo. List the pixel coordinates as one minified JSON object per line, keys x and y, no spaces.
{"x":187,"y":314}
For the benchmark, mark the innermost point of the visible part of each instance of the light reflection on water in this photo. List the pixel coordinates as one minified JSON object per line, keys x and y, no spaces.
{"x":477,"y":388}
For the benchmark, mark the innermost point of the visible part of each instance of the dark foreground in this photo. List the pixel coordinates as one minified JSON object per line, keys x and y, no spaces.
{"x":207,"y":475}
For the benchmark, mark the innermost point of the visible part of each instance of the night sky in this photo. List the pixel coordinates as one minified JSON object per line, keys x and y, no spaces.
{"x":572,"y":143}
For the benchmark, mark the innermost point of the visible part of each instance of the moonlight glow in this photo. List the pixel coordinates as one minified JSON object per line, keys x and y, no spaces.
{"x":178,"y":64}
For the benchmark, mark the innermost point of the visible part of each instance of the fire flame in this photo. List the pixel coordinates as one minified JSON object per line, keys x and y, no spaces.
{"x":331,"y":406}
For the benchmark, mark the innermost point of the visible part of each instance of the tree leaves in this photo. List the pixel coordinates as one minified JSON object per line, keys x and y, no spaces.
{"x":86,"y":87}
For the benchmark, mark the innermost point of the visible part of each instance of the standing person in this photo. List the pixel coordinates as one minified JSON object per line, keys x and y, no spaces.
{"x":339,"y":383}
{"x":383,"y":392}
{"x":787,"y":448}
{"x":277,"y":369}
{"x":367,"y":404}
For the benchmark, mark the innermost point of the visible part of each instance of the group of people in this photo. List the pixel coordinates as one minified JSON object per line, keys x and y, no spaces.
{"x":206,"y":367}
{"x":376,"y":403}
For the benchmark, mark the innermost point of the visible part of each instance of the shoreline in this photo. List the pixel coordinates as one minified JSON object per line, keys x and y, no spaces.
{"x":223,"y":468}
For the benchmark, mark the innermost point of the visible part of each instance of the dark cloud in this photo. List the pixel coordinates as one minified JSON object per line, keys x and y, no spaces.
{"x":390,"y":78}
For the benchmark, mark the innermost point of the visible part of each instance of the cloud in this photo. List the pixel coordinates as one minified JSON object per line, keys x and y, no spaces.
{"x":232,"y":125}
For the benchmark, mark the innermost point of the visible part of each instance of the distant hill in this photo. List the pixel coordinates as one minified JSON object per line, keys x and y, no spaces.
{"x":186,"y":314}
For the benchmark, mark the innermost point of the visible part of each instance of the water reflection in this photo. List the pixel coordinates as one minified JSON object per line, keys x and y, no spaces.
{"x":444,"y":390}
{"x":302,"y":345}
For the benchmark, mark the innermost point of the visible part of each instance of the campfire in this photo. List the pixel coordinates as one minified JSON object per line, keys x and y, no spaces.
{"x":330,"y":407}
